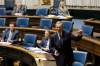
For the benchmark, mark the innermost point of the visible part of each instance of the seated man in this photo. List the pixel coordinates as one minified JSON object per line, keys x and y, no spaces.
{"x":44,"y":45}
{"x":10,"y":35}
{"x":18,"y":10}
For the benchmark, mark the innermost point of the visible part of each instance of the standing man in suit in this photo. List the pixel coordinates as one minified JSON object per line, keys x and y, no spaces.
{"x":10,"y":35}
{"x":45,"y":42}
{"x":60,"y":45}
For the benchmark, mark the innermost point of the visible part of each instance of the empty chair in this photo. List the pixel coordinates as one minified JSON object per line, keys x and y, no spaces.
{"x":30,"y":40}
{"x":22,"y":22}
{"x":80,"y":58}
{"x":24,"y":8}
{"x":2,"y":21}
{"x":2,"y":11}
{"x":78,"y":23}
{"x":42,"y":12}
{"x":46,"y":23}
{"x":67,"y":25}
{"x":9,"y":4}
{"x":87,"y":30}
{"x":54,"y":8}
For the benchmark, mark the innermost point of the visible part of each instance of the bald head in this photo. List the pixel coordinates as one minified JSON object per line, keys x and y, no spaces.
{"x":59,"y":26}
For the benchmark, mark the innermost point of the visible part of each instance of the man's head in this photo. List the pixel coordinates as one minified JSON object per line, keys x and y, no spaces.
{"x":59,"y":26}
{"x":11,"y":27}
{"x":19,"y":5}
{"x":47,"y":34}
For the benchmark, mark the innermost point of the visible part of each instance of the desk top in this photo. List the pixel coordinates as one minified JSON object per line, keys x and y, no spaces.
{"x":91,"y":20}
{"x":23,"y":28}
{"x":46,"y":56}
{"x":26,"y":16}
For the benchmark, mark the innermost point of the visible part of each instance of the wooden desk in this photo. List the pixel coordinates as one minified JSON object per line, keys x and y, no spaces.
{"x":34,"y":20}
{"x":94,"y":23}
{"x":22,"y":31}
{"x":17,"y":52}
{"x":89,"y":44}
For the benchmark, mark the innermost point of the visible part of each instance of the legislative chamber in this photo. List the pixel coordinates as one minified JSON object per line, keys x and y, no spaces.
{"x":49,"y":33}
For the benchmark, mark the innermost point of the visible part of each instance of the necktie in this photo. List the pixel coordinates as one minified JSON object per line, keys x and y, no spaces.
{"x":47,"y":44}
{"x":60,"y":36}
{"x":10,"y":35}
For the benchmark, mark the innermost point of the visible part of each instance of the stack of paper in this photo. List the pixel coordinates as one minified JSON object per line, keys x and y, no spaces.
{"x":36,"y":49}
{"x":61,"y":17}
{"x":5,"y":43}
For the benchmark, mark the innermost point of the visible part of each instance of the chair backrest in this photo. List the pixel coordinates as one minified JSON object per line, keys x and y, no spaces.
{"x":68,"y":25}
{"x":55,"y":11}
{"x":87,"y":30}
{"x":30,"y":40}
{"x":78,"y":23}
{"x":55,"y":7}
{"x":2,"y":21}
{"x":56,"y":3}
{"x":24,"y":8}
{"x":42,"y":12}
{"x":80,"y":57}
{"x":2,"y":11}
{"x":22,"y":22}
{"x":9,"y":4}
{"x":46,"y":23}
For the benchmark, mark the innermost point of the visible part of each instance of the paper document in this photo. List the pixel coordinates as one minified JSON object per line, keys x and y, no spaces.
{"x":5,"y":43}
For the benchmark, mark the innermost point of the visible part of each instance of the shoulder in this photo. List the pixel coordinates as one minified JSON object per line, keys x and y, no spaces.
{"x":54,"y":35}
{"x":59,"y":8}
{"x":6,"y":30}
{"x":43,"y":38}
{"x":66,"y":33}
{"x":16,"y":31}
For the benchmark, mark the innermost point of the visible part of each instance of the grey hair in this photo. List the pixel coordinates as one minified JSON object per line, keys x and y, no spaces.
{"x":59,"y":22}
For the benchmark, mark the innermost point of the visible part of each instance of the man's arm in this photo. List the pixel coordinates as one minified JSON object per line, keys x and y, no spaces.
{"x":52,"y":47}
{"x":78,"y":37}
{"x":41,"y":44}
{"x":16,"y":37}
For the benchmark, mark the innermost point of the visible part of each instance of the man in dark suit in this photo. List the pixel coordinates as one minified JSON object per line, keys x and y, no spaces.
{"x":10,"y":35}
{"x":45,"y":42}
{"x":60,"y":45}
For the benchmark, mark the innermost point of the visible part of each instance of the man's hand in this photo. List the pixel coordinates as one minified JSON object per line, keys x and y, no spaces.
{"x":2,"y":41}
{"x":56,"y":53}
{"x":45,"y":49}
{"x":10,"y":41}
{"x":80,"y":32}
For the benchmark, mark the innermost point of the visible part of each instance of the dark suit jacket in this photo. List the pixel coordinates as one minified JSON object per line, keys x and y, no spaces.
{"x":64,"y":45}
{"x":43,"y":43}
{"x":14,"y":38}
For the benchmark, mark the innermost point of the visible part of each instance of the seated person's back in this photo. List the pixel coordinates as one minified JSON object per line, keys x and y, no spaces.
{"x":45,"y":42}
{"x":10,"y":35}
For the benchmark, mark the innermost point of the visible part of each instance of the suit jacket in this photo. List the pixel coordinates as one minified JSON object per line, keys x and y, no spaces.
{"x":43,"y":43}
{"x":63,"y":46}
{"x":63,"y":11}
{"x":17,"y":11}
{"x":14,"y":38}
